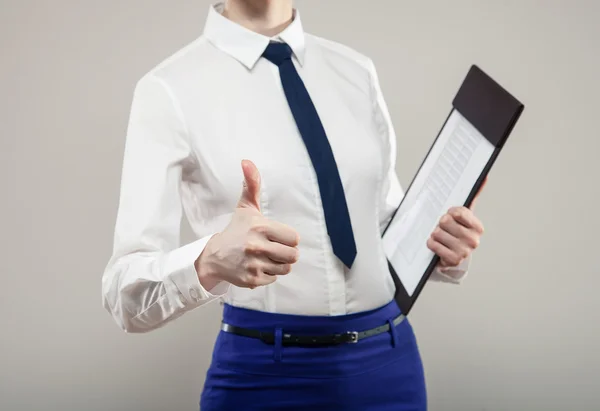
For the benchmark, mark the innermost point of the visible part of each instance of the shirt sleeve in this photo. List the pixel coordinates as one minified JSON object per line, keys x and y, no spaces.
{"x":392,"y":192}
{"x":150,"y":278}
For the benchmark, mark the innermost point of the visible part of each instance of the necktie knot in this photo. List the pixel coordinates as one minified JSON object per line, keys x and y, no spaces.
{"x":277,"y":53}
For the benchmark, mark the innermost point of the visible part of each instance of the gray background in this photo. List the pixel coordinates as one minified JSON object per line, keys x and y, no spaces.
{"x":520,"y":334}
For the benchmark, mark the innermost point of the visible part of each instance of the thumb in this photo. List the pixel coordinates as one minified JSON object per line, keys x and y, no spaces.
{"x":250,"y":197}
{"x":472,"y":205}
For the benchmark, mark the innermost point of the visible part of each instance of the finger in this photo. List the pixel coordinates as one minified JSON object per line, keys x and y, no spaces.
{"x":272,"y":268}
{"x":280,"y":253}
{"x":468,"y":237}
{"x":258,"y":279}
{"x":281,"y":233}
{"x":466,"y":218}
{"x":449,"y":224}
{"x":449,"y":241}
{"x":448,"y":257}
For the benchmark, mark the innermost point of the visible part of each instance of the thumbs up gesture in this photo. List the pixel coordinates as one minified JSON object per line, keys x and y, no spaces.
{"x":252,"y":250}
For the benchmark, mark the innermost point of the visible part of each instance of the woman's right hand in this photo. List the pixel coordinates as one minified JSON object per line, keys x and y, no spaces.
{"x":252,"y":250}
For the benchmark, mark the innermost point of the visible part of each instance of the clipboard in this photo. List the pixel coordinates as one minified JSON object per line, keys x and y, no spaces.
{"x":481,"y":119}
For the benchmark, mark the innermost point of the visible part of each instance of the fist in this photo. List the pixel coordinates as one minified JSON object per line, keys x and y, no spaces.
{"x":252,"y":250}
{"x":457,"y":235}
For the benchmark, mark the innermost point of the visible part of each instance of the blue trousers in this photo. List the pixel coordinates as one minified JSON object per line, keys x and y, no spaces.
{"x":380,"y":373}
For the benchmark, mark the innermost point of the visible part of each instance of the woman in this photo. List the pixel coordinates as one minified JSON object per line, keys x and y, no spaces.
{"x":309,"y":320}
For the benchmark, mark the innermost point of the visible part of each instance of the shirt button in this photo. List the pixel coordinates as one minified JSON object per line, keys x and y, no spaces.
{"x":194,"y":294}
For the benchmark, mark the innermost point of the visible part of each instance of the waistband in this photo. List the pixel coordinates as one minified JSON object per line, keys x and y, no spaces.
{"x":253,"y":356}
{"x":265,"y":321}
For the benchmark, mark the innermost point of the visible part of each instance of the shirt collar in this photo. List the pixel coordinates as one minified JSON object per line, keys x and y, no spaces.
{"x":245,"y":45}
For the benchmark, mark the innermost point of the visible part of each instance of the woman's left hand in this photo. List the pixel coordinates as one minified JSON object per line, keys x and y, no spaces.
{"x":457,"y":235}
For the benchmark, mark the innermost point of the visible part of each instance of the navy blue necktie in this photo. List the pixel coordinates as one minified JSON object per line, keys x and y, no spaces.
{"x":335,"y":208}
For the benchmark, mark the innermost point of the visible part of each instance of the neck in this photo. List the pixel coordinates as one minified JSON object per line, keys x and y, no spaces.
{"x":267,"y":17}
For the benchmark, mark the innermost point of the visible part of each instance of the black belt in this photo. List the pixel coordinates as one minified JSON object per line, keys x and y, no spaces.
{"x":311,"y":340}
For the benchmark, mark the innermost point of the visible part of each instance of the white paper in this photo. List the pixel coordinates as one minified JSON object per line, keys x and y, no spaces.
{"x":445,"y":180}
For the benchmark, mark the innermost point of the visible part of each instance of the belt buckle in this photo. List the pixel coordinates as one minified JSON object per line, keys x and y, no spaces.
{"x":352,"y":337}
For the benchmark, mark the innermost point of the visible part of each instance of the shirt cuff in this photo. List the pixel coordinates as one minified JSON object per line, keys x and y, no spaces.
{"x":180,"y":265}
{"x":453,"y":275}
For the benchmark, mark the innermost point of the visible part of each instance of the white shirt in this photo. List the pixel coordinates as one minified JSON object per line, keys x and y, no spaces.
{"x":194,"y":117}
